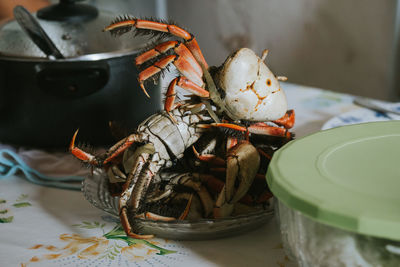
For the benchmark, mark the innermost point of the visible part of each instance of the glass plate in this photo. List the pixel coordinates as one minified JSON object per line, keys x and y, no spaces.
{"x":95,"y":190}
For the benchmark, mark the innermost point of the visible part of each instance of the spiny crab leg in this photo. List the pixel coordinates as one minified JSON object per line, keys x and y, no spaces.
{"x":80,"y":154}
{"x":155,"y":52}
{"x":121,"y":146}
{"x":179,"y":48}
{"x":181,"y":64}
{"x":124,"y":24}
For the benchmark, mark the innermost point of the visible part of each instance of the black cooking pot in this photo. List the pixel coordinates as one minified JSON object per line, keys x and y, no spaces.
{"x":43,"y":100}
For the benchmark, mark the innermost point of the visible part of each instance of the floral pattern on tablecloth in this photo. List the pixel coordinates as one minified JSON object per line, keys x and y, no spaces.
{"x":103,"y":246}
{"x":6,"y":214}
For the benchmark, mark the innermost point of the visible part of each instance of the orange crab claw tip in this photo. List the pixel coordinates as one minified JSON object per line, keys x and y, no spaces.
{"x":72,"y":144}
{"x":106,"y":29}
{"x":144,"y":89}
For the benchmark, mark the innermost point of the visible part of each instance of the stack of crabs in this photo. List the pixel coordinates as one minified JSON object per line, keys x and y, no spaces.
{"x":205,"y":156}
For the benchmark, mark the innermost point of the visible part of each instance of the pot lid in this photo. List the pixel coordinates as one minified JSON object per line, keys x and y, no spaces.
{"x":347,"y":177}
{"x":75,"y":29}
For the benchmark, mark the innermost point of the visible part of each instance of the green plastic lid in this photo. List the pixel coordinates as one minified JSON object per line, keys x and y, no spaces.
{"x":347,"y":177}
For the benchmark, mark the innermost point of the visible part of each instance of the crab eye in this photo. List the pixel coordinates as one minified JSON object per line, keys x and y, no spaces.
{"x":268,"y":82}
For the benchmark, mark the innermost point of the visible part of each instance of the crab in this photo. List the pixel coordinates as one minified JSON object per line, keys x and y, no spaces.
{"x":242,"y":97}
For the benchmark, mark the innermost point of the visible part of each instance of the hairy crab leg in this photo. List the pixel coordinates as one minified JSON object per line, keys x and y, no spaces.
{"x":124,"y":24}
{"x":155,"y":52}
{"x":179,"y":48}
{"x":82,"y":155}
{"x":181,"y":64}
{"x":121,"y":146}
{"x":287,"y":120}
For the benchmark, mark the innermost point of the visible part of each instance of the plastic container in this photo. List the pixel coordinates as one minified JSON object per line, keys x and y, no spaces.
{"x":338,"y":200}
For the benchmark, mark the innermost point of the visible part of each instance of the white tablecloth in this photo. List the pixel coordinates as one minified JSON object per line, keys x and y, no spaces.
{"x":42,"y":226}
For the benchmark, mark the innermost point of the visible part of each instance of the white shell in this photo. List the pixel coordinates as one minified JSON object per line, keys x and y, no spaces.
{"x":252,"y":91}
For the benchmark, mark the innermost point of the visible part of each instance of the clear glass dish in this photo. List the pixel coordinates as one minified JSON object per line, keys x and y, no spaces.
{"x":313,"y":244}
{"x":95,"y":190}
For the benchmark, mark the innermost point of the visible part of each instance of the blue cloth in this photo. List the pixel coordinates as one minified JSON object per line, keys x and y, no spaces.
{"x":11,"y":163}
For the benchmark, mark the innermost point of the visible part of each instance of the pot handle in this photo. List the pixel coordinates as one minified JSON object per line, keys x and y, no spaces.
{"x":72,"y":79}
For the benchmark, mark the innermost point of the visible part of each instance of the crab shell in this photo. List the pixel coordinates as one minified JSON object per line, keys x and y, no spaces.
{"x":252,"y":92}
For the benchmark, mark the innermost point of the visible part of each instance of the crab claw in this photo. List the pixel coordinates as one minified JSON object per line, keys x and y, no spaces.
{"x":243,"y":162}
{"x":80,"y":154}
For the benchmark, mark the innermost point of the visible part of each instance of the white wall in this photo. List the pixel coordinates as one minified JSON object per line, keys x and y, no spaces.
{"x":342,"y":45}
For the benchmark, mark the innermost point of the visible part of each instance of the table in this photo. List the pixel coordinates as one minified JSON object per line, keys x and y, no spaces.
{"x":44,"y":226}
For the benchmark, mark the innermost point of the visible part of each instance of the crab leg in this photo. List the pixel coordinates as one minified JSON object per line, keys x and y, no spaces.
{"x":224,"y":125}
{"x":129,"y":192}
{"x":155,"y":217}
{"x":231,"y":142}
{"x":242,"y":164}
{"x":82,"y":155}
{"x":186,"y":84}
{"x":155,"y":52}
{"x":262,"y":128}
{"x":136,"y":187}
{"x":179,"y":48}
{"x":287,"y":120}
{"x":201,"y":191}
{"x":121,"y":146}
{"x":263,"y":153}
{"x":180,"y":63}
{"x":257,"y":128}
{"x":213,"y":159}
{"x":124,"y":24}
{"x":191,"y":181}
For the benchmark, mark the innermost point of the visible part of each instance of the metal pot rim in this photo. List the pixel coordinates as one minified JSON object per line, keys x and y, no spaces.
{"x":88,"y":57}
